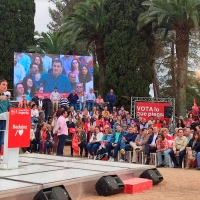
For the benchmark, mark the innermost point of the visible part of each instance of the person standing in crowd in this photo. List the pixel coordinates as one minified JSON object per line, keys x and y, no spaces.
{"x":73,"y":98}
{"x":55,"y":96}
{"x":62,"y":132}
{"x":35,"y":99}
{"x":91,"y":99}
{"x":56,"y":78}
{"x":82,"y":101}
{"x":111,"y":100}
{"x":64,"y":102}
{"x":99,"y":102}
{"x":4,"y":107}
{"x":45,"y":106}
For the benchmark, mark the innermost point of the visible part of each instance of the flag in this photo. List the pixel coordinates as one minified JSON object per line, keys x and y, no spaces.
{"x":74,"y":140}
{"x":195,"y":105}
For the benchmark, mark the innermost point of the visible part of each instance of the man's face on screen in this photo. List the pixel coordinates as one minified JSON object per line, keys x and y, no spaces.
{"x":72,"y":78}
{"x":57,"y":68}
{"x":79,"y":88}
{"x":34,"y":69}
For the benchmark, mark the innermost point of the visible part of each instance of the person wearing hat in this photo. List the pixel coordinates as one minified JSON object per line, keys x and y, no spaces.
{"x":55,"y":96}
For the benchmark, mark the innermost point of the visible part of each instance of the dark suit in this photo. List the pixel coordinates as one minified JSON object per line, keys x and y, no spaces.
{"x":149,"y":149}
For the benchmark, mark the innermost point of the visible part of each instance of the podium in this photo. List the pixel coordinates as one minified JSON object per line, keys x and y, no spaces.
{"x":16,"y":135}
{"x":11,"y":155}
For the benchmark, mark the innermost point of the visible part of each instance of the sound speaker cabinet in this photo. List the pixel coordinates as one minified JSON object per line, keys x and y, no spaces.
{"x":167,"y":111}
{"x":109,"y":185}
{"x":55,"y":193}
{"x":152,"y":174}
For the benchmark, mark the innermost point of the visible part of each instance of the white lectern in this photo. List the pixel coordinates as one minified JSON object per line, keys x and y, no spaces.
{"x":11,"y":155}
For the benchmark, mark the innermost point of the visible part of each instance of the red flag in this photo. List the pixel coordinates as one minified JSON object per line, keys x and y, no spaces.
{"x":195,"y":105}
{"x":74,"y":140}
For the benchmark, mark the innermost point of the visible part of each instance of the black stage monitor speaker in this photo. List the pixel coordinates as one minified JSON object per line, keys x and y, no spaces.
{"x":167,"y":111}
{"x":55,"y":193}
{"x":109,"y":185}
{"x":152,"y":174}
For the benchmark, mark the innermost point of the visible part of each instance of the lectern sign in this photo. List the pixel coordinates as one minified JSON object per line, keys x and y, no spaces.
{"x":19,"y":127}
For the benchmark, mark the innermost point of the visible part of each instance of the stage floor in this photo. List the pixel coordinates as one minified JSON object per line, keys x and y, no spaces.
{"x":78,"y":175}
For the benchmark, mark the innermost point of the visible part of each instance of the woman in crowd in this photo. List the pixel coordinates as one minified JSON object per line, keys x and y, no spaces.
{"x":37,"y":59}
{"x":41,"y":137}
{"x":87,"y":125}
{"x":75,"y":68}
{"x":29,"y":88}
{"x":19,"y":92}
{"x":165,"y":124}
{"x":189,"y":120}
{"x":82,"y":101}
{"x":81,"y":135}
{"x":84,"y":76}
{"x":163,"y":147}
{"x":94,"y":142}
{"x":106,"y":137}
{"x":180,"y":124}
{"x":192,"y":149}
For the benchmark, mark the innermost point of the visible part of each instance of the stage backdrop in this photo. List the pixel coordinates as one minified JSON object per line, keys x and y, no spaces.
{"x":42,"y":72}
{"x":148,"y":109}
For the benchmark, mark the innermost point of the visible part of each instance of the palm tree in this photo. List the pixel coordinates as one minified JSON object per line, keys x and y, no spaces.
{"x":85,"y":24}
{"x":180,"y":16}
{"x":50,"y":42}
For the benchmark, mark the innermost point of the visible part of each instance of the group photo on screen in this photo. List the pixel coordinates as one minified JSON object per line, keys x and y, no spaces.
{"x":41,"y":73}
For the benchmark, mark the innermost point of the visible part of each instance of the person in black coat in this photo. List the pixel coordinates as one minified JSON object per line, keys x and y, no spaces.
{"x":73,"y":98}
{"x":193,"y":148}
{"x":150,"y":147}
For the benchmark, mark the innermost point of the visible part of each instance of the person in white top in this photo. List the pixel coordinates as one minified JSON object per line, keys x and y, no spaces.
{"x":34,"y":115}
{"x":55,"y":96}
{"x":94,"y":142}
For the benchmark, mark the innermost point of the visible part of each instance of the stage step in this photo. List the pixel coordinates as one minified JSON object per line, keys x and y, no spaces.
{"x":136,"y":185}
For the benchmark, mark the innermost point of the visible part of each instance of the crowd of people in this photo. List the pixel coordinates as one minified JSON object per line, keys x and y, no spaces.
{"x":100,"y":126}
{"x":103,"y":126}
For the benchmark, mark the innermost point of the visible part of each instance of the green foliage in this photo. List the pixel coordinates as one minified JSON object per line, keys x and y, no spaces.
{"x":129,"y":60}
{"x":85,"y":25}
{"x":16,"y":32}
{"x":180,"y":16}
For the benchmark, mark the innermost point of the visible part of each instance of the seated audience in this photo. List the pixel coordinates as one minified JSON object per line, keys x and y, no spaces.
{"x":139,"y":144}
{"x":180,"y":143}
{"x":94,"y":142}
{"x":192,"y":149}
{"x":114,"y":143}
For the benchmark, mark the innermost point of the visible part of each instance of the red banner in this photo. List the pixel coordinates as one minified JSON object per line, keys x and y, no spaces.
{"x":148,"y":109}
{"x":19,"y":127}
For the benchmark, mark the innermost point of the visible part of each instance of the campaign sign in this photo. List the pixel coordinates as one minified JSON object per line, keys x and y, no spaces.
{"x":19,"y":127}
{"x":148,"y":109}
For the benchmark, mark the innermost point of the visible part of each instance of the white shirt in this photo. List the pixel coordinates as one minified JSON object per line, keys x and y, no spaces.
{"x":55,"y":96}
{"x":40,"y":103}
{"x":34,"y":112}
{"x":7,"y":93}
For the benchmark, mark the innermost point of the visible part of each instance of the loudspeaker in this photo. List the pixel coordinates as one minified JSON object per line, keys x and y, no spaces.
{"x":55,"y":193}
{"x":109,"y":185}
{"x":152,"y":174}
{"x":167,"y":111}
